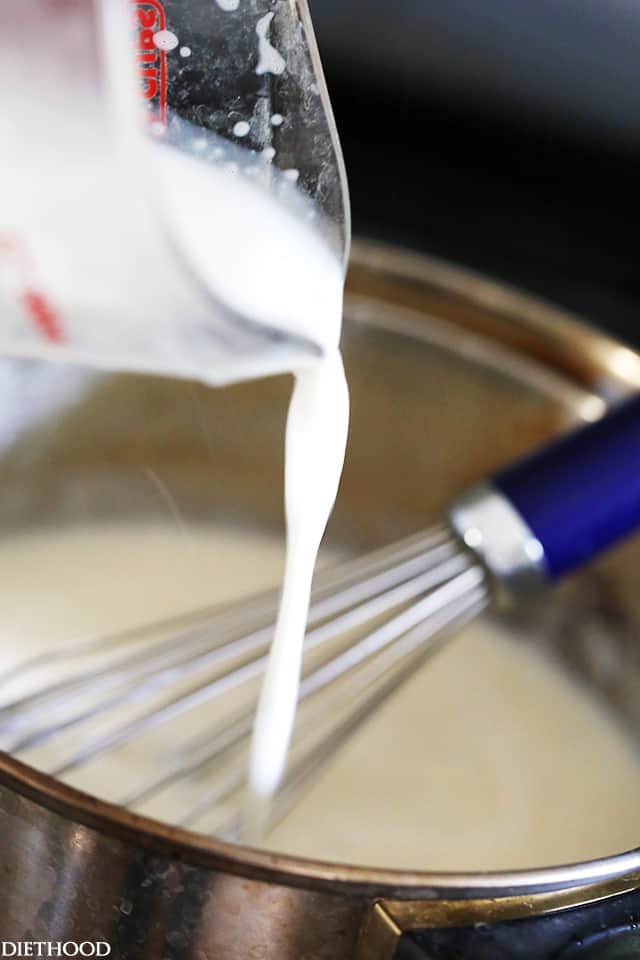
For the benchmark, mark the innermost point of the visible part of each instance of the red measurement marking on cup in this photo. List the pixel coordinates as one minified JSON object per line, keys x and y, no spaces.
{"x":42,"y":314}
{"x":149,"y":18}
{"x":16,"y":259}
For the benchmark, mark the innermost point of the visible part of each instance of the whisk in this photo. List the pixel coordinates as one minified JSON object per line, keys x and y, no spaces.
{"x":372,"y":622}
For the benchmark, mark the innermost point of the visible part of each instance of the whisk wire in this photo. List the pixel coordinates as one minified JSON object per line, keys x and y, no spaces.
{"x":210,"y":689}
{"x":382,"y":681}
{"x":455,"y":578}
{"x":371,"y":622}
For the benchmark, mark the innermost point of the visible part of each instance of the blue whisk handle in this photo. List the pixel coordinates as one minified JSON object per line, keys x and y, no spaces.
{"x":581,"y":494}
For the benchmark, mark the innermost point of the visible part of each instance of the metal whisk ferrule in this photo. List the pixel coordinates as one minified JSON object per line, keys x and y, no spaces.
{"x":489,"y":525}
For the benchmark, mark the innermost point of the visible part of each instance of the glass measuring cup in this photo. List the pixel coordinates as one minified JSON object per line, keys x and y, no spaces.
{"x":176,"y":238}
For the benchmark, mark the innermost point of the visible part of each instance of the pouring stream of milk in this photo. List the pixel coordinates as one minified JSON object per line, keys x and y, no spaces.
{"x":315,"y":446}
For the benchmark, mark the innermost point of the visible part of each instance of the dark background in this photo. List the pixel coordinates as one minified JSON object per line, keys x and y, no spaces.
{"x":500,"y":134}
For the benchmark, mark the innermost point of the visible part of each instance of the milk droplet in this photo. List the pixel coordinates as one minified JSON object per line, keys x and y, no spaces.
{"x":291,"y":174}
{"x":228,"y":5}
{"x":277,"y":120}
{"x":268,"y":154}
{"x":241,"y":129}
{"x":165,"y":40}
{"x":185,"y":51}
{"x":270,"y":61}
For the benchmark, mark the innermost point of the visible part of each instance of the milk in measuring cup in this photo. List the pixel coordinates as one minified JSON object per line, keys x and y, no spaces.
{"x":121,"y":251}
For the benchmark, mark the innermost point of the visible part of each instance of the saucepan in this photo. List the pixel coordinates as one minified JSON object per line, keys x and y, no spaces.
{"x":451,"y":376}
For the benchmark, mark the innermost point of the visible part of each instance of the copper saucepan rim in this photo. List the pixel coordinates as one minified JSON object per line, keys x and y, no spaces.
{"x":597,"y":363}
